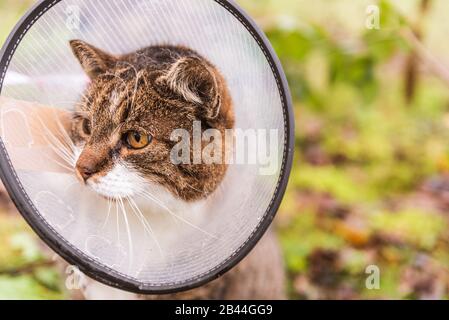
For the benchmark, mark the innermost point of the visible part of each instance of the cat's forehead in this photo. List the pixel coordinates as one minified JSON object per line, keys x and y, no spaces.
{"x":114,"y":105}
{"x":131,"y":92}
{"x":112,"y":89}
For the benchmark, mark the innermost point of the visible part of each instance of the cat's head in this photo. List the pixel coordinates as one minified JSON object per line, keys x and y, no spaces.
{"x":132,"y":105}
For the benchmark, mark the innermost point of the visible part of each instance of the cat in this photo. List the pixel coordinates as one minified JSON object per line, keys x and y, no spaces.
{"x":122,"y":128}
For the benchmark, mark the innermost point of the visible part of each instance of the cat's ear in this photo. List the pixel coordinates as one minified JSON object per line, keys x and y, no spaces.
{"x":93,"y":60}
{"x":197,"y":82}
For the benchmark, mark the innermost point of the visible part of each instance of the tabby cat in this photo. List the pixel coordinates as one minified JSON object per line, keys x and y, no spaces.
{"x":122,"y":127}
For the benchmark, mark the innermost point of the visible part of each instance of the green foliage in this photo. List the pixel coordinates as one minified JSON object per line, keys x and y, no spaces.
{"x":331,"y":180}
{"x":342,"y":66}
{"x":23,"y":270}
{"x":10,"y":13}
{"x":418,"y":228}
{"x":302,"y":237}
{"x":25,"y":287}
{"x":360,"y":143}
{"x":20,"y":247}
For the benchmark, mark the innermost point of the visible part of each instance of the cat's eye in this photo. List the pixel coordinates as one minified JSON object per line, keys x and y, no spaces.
{"x":86,"y":126}
{"x":137,"y":140}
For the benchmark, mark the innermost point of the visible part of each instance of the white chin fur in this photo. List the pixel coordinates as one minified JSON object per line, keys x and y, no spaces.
{"x":120,"y":182}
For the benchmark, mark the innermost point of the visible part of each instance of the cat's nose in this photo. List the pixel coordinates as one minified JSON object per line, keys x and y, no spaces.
{"x":84,"y":172}
{"x":87,"y":165}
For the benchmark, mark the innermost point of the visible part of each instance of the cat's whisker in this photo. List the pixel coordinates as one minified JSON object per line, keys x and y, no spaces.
{"x":85,"y":97}
{"x":61,"y":149}
{"x":145,"y":223}
{"x":117,"y":221}
{"x":128,"y":231}
{"x":83,"y":103}
{"x":158,"y":202}
{"x":69,"y":147}
{"x":65,"y":135}
{"x":108,"y":214}
{"x":58,"y":151}
{"x":69,"y":160}
{"x":133,"y":204}
{"x":59,"y":163}
{"x":141,"y":186}
{"x":193,"y":188}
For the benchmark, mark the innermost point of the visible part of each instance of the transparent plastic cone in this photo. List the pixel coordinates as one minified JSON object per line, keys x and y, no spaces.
{"x":43,"y":82}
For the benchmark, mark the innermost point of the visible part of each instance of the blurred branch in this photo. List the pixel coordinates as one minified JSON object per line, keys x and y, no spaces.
{"x":413,"y":37}
{"x":411,"y":72}
{"x":425,"y":56}
{"x":26,"y":269}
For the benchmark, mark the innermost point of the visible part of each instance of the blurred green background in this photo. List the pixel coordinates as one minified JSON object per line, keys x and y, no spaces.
{"x":370,"y":182}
